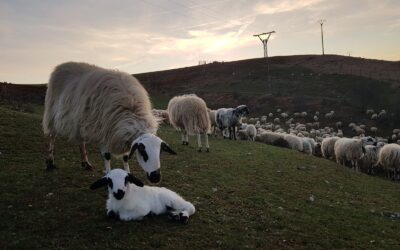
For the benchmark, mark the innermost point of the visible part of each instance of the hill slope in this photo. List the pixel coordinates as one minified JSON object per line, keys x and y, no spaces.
{"x":247,"y":195}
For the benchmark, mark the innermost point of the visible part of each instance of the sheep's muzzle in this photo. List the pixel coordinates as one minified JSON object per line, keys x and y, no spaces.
{"x":119,"y":195}
{"x":154,"y":176}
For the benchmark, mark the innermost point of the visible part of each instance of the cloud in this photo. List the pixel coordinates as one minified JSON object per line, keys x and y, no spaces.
{"x":283,"y":6}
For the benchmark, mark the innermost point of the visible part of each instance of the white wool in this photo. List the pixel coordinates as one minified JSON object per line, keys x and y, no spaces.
{"x":327,"y":147}
{"x":138,"y":202}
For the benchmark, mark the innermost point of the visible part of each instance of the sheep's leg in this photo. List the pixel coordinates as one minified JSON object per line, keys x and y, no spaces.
{"x":84,"y":158}
{"x":199,"y":142}
{"x":107,"y":162}
{"x":181,"y":209}
{"x":206,"y":142}
{"x":183,"y":138}
{"x":230,"y":133}
{"x":50,"y":159}
{"x":234,"y":132}
{"x":125,"y":160}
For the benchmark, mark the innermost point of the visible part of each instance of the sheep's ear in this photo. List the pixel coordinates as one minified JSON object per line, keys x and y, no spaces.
{"x":363,"y":149}
{"x":132,"y":179}
{"x":133,"y":149}
{"x":375,"y":143}
{"x":142,"y":151}
{"x":165,"y":147}
{"x":99,"y":183}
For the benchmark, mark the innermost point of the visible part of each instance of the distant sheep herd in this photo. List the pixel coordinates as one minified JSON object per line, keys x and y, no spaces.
{"x":111,"y":109}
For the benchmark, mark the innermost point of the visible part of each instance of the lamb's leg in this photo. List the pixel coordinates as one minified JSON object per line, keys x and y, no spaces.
{"x":183,"y":138}
{"x":199,"y":142}
{"x":84,"y":158}
{"x":230,"y":133}
{"x":181,"y":209}
{"x":107,"y":161}
{"x":125,"y":160}
{"x":206,"y":142}
{"x":50,"y":159}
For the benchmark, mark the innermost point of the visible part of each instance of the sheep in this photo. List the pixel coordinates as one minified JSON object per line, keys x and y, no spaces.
{"x":295,"y":143}
{"x":307,"y":147}
{"x":315,"y":118}
{"x":129,"y":199}
{"x":327,"y":147}
{"x":269,"y":138}
{"x":212,"y":114}
{"x":339,"y":124}
{"x":271,"y":115}
{"x":303,"y":114}
{"x":277,"y":120}
{"x":189,"y":114}
{"x":248,"y":133}
{"x":229,"y":117}
{"x":358,"y":130}
{"x":389,"y":160}
{"x":369,"y":160}
{"x":369,"y":111}
{"x":373,"y":129}
{"x":161,"y":115}
{"x":89,"y":104}
{"x":352,"y":150}
{"x":374,"y":116}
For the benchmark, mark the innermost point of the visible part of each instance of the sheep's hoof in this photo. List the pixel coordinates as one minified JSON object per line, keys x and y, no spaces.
{"x":50,"y":166}
{"x":112,"y":215}
{"x":87,"y":166}
{"x":199,"y":150}
{"x":207,"y":150}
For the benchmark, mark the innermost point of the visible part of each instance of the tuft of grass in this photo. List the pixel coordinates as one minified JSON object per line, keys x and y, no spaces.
{"x":247,"y":195}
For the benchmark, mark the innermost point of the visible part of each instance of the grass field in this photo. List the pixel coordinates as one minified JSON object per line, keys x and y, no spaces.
{"x":247,"y":195}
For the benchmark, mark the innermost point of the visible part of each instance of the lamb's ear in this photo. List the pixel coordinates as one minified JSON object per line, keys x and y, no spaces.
{"x":165,"y":147}
{"x":363,"y":149}
{"x":132,"y":179}
{"x":99,"y":183}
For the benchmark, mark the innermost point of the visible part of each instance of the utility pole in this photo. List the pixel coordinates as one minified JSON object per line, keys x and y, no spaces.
{"x":321,"y":22}
{"x":264,"y":37}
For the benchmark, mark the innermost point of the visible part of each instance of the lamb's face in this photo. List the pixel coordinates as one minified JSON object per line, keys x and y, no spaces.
{"x":148,"y":149}
{"x":117,"y":181}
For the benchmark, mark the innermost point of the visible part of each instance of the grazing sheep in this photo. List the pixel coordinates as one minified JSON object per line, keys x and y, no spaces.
{"x":351,"y":150}
{"x":307,"y":147}
{"x":111,"y":109}
{"x":277,"y":120}
{"x":303,"y":114}
{"x":229,"y":117}
{"x":212,"y":114}
{"x":339,"y":124}
{"x":271,"y":115}
{"x":374,"y":116}
{"x":268,"y":137}
{"x":161,"y":115}
{"x":248,"y":133}
{"x":358,"y":130}
{"x":129,"y":199}
{"x":373,"y":129}
{"x":389,"y":160}
{"x":189,"y":114}
{"x":327,"y":147}
{"x":295,"y":143}
{"x":330,"y":114}
{"x":369,"y":111}
{"x":369,"y":160}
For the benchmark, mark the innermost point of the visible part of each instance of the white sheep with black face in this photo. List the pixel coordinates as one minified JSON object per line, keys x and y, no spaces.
{"x":107,"y":108}
{"x":129,"y":199}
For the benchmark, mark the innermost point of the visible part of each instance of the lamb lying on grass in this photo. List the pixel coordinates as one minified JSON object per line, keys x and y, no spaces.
{"x":129,"y":199}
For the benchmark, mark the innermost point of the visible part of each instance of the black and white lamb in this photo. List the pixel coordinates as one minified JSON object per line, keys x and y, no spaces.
{"x":129,"y":199}
{"x":230,"y":117}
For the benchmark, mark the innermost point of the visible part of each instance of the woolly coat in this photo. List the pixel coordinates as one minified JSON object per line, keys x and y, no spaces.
{"x":95,"y":105}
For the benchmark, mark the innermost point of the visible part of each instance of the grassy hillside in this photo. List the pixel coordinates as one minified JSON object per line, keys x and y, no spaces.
{"x":247,"y":195}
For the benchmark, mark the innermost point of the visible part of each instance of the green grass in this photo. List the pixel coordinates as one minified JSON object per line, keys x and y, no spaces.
{"x":247,"y":195}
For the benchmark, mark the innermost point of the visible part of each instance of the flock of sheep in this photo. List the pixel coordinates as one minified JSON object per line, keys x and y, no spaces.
{"x":111,"y":109}
{"x":363,"y":153}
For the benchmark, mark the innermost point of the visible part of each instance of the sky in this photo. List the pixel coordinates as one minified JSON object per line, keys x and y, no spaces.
{"x":138,"y":36}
